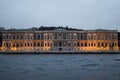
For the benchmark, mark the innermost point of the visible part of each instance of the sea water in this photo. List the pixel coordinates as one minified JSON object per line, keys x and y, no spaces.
{"x":59,"y":66}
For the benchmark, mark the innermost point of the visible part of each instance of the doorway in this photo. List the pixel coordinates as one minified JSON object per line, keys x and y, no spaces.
{"x":60,"y":49}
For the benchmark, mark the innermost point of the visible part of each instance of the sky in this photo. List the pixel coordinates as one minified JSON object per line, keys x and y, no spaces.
{"x":81,"y":14}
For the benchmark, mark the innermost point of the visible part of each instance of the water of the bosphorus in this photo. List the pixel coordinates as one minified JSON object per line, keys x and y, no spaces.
{"x":59,"y":66}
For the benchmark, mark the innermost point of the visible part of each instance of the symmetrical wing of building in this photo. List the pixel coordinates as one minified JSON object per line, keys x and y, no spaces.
{"x":59,"y":40}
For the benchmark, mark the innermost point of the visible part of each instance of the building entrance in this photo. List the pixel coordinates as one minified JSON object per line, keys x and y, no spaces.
{"x":60,"y":49}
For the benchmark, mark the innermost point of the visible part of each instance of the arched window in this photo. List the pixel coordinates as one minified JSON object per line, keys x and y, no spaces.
{"x":60,"y":44}
{"x":78,"y":44}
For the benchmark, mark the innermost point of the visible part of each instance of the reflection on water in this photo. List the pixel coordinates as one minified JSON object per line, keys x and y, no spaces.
{"x":60,"y":67}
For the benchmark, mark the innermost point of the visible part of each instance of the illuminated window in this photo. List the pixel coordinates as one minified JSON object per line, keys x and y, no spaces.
{"x":81,"y":44}
{"x":89,"y":44}
{"x":102,"y":44}
{"x":17,"y":45}
{"x":85,"y":44}
{"x":4,"y":44}
{"x":98,"y":44}
{"x":31,"y":44}
{"x":13,"y":44}
{"x":105,"y":44}
{"x":92,"y":44}
{"x":48,"y":44}
{"x":28,"y":44}
{"x":21,"y":45}
{"x":25,"y":44}
{"x":7,"y":44}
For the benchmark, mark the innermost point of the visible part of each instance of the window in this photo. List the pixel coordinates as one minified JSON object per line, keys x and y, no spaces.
{"x":38,"y":44}
{"x":13,"y":44}
{"x":42,"y":44}
{"x":94,"y":37}
{"x":31,"y":44}
{"x":25,"y":44}
{"x":4,"y":44}
{"x":74,"y":44}
{"x":85,"y":44}
{"x":50,"y":44}
{"x":17,"y":37}
{"x":92,"y":44}
{"x":115,"y":44}
{"x":4,"y":37}
{"x":81,"y":44}
{"x":82,"y":37}
{"x":50,"y":36}
{"x":64,"y":36}
{"x":7,"y":44}
{"x":34,"y":44}
{"x":89,"y":44}
{"x":74,"y":36}
{"x":91,"y":37}
{"x":71,"y":36}
{"x":69,"y":44}
{"x":45,"y":37}
{"x":78,"y":44}
{"x":60,"y":44}
{"x":45,"y":45}
{"x":78,"y":36}
{"x":21,"y":37}
{"x":9,"y":37}
{"x":55,"y":44}
{"x":102,"y":44}
{"x":21,"y":45}
{"x":28,"y":44}
{"x":17,"y":45}
{"x":88,"y":37}
{"x":98,"y":44}
{"x":105,"y":44}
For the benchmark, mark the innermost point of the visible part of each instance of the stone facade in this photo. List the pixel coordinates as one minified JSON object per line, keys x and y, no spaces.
{"x":60,"y":40}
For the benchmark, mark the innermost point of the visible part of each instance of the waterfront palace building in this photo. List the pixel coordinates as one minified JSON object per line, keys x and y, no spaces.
{"x":59,"y":40}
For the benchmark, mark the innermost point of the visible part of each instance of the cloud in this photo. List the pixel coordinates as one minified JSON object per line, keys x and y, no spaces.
{"x":88,"y":14}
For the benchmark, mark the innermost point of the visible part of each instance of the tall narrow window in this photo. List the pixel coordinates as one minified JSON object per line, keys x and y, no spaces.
{"x":98,"y":44}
